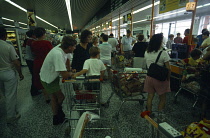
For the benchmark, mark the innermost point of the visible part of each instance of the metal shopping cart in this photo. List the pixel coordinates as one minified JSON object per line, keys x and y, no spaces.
{"x":197,"y":85}
{"x":128,"y":86}
{"x":85,"y":100}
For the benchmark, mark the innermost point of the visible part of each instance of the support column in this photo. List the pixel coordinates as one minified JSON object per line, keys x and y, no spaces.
{"x":152,"y":19}
{"x":131,"y":26}
{"x":119,"y":27}
{"x":192,"y":23}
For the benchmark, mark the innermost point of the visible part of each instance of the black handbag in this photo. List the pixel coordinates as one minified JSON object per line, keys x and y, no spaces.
{"x":158,"y":72}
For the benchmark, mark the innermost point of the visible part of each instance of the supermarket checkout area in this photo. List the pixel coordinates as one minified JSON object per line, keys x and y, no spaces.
{"x":176,"y":73}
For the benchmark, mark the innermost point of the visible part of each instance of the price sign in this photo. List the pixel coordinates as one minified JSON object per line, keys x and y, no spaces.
{"x":190,"y":6}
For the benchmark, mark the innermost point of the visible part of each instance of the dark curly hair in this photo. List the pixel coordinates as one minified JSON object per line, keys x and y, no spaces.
{"x":30,"y":33}
{"x":39,"y":32}
{"x":68,"y":41}
{"x":84,"y":35}
{"x":155,"y":43}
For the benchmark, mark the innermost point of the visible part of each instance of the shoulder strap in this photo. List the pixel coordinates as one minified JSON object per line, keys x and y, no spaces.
{"x":158,"y":57}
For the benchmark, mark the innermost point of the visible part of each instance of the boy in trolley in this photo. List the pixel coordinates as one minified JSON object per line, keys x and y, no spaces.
{"x":93,"y":67}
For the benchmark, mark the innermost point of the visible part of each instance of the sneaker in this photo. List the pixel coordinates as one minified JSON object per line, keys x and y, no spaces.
{"x":13,"y":119}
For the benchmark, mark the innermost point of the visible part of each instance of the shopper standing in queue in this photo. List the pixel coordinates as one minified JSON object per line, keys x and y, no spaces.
{"x":30,"y":60}
{"x":53,"y":66}
{"x":40,"y":48}
{"x":9,"y":64}
{"x":126,"y":44}
{"x":152,"y":85}
{"x":81,"y":53}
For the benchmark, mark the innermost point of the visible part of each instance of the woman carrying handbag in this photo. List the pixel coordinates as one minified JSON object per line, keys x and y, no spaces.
{"x":155,"y":55}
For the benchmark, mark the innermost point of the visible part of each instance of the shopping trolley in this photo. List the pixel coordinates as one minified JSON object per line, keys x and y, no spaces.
{"x":128,"y":86}
{"x":197,"y":85}
{"x":86,"y":99}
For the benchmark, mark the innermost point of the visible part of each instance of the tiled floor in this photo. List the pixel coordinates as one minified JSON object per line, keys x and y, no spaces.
{"x":36,"y":119}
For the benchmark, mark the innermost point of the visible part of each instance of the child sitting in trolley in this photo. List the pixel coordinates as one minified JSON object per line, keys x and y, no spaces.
{"x":191,"y":64}
{"x":93,"y":67}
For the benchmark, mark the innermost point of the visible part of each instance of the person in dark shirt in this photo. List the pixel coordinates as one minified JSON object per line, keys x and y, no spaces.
{"x":140,"y":47}
{"x":81,"y":53}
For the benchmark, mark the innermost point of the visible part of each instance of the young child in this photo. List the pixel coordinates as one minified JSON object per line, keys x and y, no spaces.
{"x":191,"y":63}
{"x":93,"y":66}
{"x":94,"y":69}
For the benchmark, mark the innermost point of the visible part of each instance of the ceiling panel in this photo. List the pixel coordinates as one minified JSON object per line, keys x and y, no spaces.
{"x":53,"y":11}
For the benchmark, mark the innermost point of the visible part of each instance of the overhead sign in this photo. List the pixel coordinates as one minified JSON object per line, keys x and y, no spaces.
{"x":170,"y":5}
{"x":129,"y":18}
{"x":190,"y":6}
{"x":124,"y":19}
{"x":31,"y":18}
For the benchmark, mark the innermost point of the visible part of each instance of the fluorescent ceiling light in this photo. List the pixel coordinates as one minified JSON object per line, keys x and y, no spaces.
{"x":140,"y":21}
{"x":46,"y":21}
{"x":116,"y":19}
{"x":14,"y":4}
{"x":146,"y":7}
{"x":7,"y":19}
{"x":23,"y":28}
{"x":22,"y":23}
{"x":8,"y":25}
{"x":68,"y":6}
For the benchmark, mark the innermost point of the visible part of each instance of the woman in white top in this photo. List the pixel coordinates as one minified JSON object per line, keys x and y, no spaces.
{"x":153,"y":85}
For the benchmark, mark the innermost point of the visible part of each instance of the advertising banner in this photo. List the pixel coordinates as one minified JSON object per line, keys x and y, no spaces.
{"x":129,"y":18}
{"x":124,"y":19}
{"x":170,"y":5}
{"x":31,"y":18}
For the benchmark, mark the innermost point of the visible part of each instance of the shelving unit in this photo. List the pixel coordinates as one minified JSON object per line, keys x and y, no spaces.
{"x":17,"y":37}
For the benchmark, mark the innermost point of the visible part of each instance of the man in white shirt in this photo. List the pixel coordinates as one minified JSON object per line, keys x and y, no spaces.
{"x":113,"y":42}
{"x":9,"y":64}
{"x":53,"y":66}
{"x":105,"y":50}
{"x":127,"y":43}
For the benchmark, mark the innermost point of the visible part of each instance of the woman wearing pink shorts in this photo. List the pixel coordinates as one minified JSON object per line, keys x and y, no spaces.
{"x":153,"y":85}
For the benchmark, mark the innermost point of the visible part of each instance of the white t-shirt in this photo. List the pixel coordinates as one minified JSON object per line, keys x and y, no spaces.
{"x":105,"y":51}
{"x":54,"y":62}
{"x":94,"y":66}
{"x":126,"y":43}
{"x":7,"y":56}
{"x":152,"y":56}
{"x":69,"y":55}
{"x":113,"y":42}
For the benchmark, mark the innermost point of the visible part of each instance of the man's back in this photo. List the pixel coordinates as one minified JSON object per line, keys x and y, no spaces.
{"x":7,"y":55}
{"x":113,"y":42}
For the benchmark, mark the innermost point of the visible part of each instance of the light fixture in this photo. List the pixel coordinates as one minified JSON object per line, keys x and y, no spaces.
{"x":22,"y":23}
{"x":7,"y":19}
{"x":23,"y":28}
{"x":116,"y":19}
{"x":46,"y":21}
{"x":8,"y":25}
{"x":14,"y":4}
{"x":68,"y":6}
{"x":146,"y":7}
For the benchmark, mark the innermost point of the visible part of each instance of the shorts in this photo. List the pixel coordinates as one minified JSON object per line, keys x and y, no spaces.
{"x":52,"y":87}
{"x":152,"y":85}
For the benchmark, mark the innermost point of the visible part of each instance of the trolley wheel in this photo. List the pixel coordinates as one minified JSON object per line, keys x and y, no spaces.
{"x":68,"y":131}
{"x":141,"y":102}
